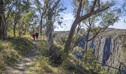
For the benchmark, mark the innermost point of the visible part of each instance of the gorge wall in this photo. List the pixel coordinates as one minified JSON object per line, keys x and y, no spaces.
{"x":110,"y":50}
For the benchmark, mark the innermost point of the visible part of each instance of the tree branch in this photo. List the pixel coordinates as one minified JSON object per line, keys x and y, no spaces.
{"x":79,"y":9}
{"x":10,"y":10}
{"x":99,"y":31}
{"x":89,"y":21}
{"x":56,"y":4}
{"x":92,"y":9}
{"x":90,"y":14}
{"x":98,"y":3}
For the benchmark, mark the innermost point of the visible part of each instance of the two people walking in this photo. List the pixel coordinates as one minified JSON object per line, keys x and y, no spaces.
{"x":35,"y":35}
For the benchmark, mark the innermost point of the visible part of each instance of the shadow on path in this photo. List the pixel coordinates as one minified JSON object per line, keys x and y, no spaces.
{"x":23,"y":65}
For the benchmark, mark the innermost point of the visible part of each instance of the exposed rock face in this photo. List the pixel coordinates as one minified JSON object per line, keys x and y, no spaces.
{"x":110,"y":49}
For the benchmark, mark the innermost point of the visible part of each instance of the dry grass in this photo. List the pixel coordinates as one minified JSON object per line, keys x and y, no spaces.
{"x":12,"y":50}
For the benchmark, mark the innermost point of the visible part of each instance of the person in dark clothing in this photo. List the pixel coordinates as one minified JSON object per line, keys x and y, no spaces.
{"x":37,"y":34}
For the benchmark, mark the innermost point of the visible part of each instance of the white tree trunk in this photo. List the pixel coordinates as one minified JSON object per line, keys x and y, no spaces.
{"x":49,"y":35}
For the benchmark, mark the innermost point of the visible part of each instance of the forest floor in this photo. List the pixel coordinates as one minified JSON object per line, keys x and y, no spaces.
{"x":24,"y":64}
{"x":37,"y":62}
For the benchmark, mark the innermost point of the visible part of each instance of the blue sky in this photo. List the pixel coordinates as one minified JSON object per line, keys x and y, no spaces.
{"x":68,"y":16}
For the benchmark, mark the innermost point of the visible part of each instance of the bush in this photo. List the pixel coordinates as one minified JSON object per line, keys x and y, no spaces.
{"x":43,"y":49}
{"x":92,"y":64}
{"x":11,"y":57}
{"x":39,"y":66}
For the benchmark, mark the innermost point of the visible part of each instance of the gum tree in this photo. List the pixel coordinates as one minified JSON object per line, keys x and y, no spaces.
{"x":83,"y":13}
{"x":54,"y":7}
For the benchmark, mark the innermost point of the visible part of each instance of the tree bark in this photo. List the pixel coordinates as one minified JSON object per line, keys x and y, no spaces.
{"x":70,"y":37}
{"x":49,"y":32}
{"x":3,"y":31}
{"x":50,"y":28}
{"x":14,"y":29}
{"x":1,"y":24}
{"x":41,"y":26}
{"x":4,"y":28}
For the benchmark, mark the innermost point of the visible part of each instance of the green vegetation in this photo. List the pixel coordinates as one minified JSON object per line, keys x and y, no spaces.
{"x":13,"y":50}
{"x":55,"y":54}
{"x":42,"y":63}
{"x":92,"y":64}
{"x":16,"y":48}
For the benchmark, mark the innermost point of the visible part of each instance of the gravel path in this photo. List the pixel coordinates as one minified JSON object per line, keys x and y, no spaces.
{"x":23,"y":65}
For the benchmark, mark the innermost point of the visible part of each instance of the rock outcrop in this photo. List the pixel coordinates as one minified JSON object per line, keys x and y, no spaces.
{"x":110,"y":50}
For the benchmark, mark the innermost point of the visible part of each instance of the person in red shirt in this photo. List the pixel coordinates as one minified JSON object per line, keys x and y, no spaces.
{"x":34,"y":35}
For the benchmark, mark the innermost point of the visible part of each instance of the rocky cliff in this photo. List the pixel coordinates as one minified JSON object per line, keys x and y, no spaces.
{"x":110,"y":50}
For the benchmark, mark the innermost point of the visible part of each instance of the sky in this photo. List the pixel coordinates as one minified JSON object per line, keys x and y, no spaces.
{"x":69,"y":17}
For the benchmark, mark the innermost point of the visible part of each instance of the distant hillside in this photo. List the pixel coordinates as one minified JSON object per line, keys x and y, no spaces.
{"x":61,"y":31}
{"x":113,"y":32}
{"x":109,"y":31}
